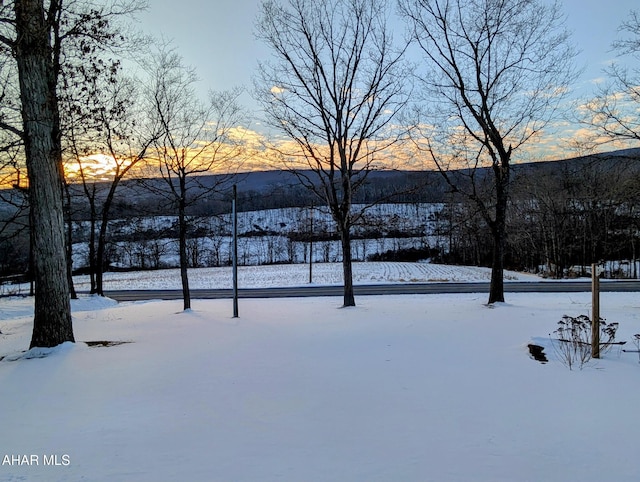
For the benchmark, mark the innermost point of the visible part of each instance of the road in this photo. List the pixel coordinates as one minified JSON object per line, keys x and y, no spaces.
{"x":379,"y":289}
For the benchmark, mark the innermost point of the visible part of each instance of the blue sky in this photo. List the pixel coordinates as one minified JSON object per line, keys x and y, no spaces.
{"x":216,"y":37}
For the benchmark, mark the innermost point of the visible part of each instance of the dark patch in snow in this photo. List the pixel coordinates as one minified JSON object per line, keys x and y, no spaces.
{"x":105,"y":343}
{"x":537,"y":353}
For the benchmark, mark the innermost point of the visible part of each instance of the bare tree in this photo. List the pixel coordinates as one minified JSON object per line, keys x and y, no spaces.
{"x":496,"y":71}
{"x":100,"y":112}
{"x":195,"y":138}
{"x":11,"y":143}
{"x":335,"y":89}
{"x":105,"y":120}
{"x":614,"y":109}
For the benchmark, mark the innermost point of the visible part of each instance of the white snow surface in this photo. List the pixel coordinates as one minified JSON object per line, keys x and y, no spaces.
{"x":398,"y":388}
{"x":298,"y":275}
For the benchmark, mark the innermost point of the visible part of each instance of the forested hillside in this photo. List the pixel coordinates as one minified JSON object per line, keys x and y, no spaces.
{"x":563,"y":216}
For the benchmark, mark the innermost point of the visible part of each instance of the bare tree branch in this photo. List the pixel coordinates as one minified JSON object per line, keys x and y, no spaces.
{"x":613,"y":112}
{"x":335,"y":89}
{"x":496,"y":71}
{"x":194,"y":138}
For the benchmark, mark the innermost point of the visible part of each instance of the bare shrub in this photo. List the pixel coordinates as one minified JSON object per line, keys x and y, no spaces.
{"x":573,"y":343}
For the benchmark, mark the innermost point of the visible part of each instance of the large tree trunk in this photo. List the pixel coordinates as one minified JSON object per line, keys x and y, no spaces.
{"x":496,"y":289}
{"x":52,"y":314}
{"x":499,"y":230}
{"x":349,"y":298}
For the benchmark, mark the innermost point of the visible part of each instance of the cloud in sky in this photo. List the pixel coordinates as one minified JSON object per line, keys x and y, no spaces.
{"x":217,"y":39}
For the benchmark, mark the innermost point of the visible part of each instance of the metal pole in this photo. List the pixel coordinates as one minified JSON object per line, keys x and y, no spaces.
{"x":311,"y":247}
{"x":234,"y":214}
{"x":595,"y":312}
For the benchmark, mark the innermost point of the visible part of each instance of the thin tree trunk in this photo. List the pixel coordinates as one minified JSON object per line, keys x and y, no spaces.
{"x":52,"y":323}
{"x":72,"y":288}
{"x":92,"y":252}
{"x":347,"y":268}
{"x":100,"y":252}
{"x":184,"y":261}
{"x":102,"y":235}
{"x":100,"y":258}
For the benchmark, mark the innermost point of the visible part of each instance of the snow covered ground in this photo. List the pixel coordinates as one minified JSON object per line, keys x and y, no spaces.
{"x":399,"y":388}
{"x":298,"y":275}
{"x":288,"y":275}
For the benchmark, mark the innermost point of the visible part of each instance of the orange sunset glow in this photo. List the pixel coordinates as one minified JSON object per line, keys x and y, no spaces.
{"x":249,"y":150}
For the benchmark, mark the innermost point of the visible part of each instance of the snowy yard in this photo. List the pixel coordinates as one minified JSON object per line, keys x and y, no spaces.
{"x":399,"y":388}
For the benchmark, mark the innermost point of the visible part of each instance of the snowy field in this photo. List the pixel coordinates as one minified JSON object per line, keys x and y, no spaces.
{"x":298,"y":275}
{"x":323,"y":274}
{"x":399,"y":388}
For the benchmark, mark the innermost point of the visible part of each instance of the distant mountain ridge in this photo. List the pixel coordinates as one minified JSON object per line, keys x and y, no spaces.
{"x":280,"y":189}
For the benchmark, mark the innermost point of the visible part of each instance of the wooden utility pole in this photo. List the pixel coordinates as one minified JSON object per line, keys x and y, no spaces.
{"x":595,"y":312}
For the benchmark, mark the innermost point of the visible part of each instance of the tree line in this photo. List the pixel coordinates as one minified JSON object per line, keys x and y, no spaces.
{"x":565,"y":215}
